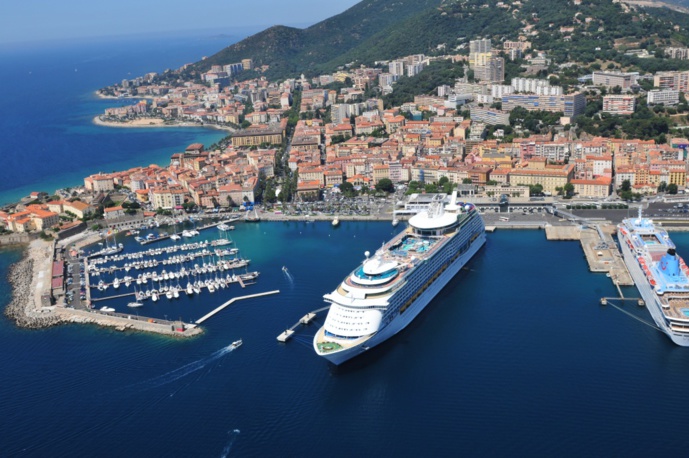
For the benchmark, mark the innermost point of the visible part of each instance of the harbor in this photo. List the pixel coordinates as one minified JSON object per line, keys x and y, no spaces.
{"x":116,"y":288}
{"x":119,"y":287}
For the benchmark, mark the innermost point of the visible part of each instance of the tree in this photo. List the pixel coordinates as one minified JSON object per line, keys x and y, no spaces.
{"x":467,"y":181}
{"x":535,"y":189}
{"x":662,"y":187}
{"x":385,"y":185}
{"x":347,"y":189}
{"x":431,"y":188}
{"x":569,"y":189}
{"x":442,"y":181}
{"x":269,"y":195}
{"x":626,"y":185}
{"x":672,"y":188}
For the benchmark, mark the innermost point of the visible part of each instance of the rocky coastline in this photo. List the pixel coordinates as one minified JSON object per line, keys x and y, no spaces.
{"x":21,"y":276}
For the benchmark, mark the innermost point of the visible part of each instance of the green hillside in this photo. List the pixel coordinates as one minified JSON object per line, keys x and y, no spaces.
{"x":593,"y":32}
{"x":291,"y":51}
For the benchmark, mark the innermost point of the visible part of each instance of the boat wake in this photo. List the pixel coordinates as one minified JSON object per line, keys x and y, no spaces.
{"x":233,"y":437}
{"x":183,"y":371}
{"x":288,"y":275}
{"x":187,"y":369}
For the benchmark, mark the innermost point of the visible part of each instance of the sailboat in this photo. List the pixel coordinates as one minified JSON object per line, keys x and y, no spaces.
{"x":252,"y":218}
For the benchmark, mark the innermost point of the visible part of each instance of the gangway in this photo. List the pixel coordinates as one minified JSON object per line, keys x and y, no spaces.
{"x":306,"y":319}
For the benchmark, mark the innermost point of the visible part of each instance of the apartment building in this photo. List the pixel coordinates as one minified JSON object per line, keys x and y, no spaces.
{"x":664,"y":96}
{"x":619,"y":104}
{"x":612,"y":79}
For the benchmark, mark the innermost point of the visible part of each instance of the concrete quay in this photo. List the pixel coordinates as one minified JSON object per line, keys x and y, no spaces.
{"x":123,"y":322}
{"x":602,"y":254}
{"x":563,"y":233}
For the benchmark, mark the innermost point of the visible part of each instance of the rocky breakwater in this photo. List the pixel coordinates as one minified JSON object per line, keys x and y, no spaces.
{"x":21,"y":308}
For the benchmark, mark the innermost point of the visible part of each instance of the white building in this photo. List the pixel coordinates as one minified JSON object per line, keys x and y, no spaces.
{"x":664,"y":96}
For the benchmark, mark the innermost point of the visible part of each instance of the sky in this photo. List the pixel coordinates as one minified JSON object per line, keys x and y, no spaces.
{"x":45,"y":20}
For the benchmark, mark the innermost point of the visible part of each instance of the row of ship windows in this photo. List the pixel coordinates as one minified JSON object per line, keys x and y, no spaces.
{"x":343,"y":318}
{"x":349,"y":329}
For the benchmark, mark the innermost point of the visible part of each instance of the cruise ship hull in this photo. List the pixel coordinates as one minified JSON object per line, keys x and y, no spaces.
{"x":403,"y":320}
{"x":650,"y":297}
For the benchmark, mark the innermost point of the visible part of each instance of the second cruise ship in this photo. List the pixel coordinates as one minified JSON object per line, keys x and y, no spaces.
{"x":660,"y":275}
{"x":389,"y":289}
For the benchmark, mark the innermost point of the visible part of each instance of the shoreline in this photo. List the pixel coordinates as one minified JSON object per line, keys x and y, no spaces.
{"x":129,"y":97}
{"x":153,"y":123}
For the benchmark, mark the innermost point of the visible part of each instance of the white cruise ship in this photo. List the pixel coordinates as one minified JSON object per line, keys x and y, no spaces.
{"x":660,"y":275}
{"x":389,"y":289}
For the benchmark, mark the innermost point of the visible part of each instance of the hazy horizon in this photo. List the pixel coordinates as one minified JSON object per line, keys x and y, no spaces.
{"x":38,"y":21}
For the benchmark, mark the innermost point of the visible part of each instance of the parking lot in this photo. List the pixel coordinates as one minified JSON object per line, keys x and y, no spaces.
{"x":75,"y":282}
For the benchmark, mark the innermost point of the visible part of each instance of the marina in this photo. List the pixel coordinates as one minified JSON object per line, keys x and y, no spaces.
{"x":129,"y":283}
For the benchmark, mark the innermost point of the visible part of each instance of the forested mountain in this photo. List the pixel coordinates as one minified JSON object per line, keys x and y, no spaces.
{"x":292,"y":51}
{"x":591,"y":31}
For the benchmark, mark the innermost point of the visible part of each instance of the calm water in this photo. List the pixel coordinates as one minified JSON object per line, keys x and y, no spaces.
{"x":515,"y":356}
{"x":49,"y":140}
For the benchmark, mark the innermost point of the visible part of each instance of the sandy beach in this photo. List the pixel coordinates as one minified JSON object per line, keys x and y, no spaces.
{"x":154,"y":122}
{"x":103,"y":96}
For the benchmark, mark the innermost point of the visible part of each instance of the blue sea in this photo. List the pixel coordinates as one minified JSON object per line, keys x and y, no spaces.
{"x":515,"y":357}
{"x":48,"y":138}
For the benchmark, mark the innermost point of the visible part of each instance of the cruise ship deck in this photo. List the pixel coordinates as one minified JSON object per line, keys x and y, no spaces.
{"x":369,"y":305}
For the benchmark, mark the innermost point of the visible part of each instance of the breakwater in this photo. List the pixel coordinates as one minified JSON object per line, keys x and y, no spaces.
{"x":20,"y":277}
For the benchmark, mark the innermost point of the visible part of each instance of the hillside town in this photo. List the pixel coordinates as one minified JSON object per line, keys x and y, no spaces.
{"x":293,"y":139}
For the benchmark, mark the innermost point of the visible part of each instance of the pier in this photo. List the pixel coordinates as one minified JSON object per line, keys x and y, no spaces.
{"x":127,"y":322}
{"x":602,"y":254}
{"x":306,"y":319}
{"x":96,"y":299}
{"x":231,"y":301}
{"x":165,"y":237}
